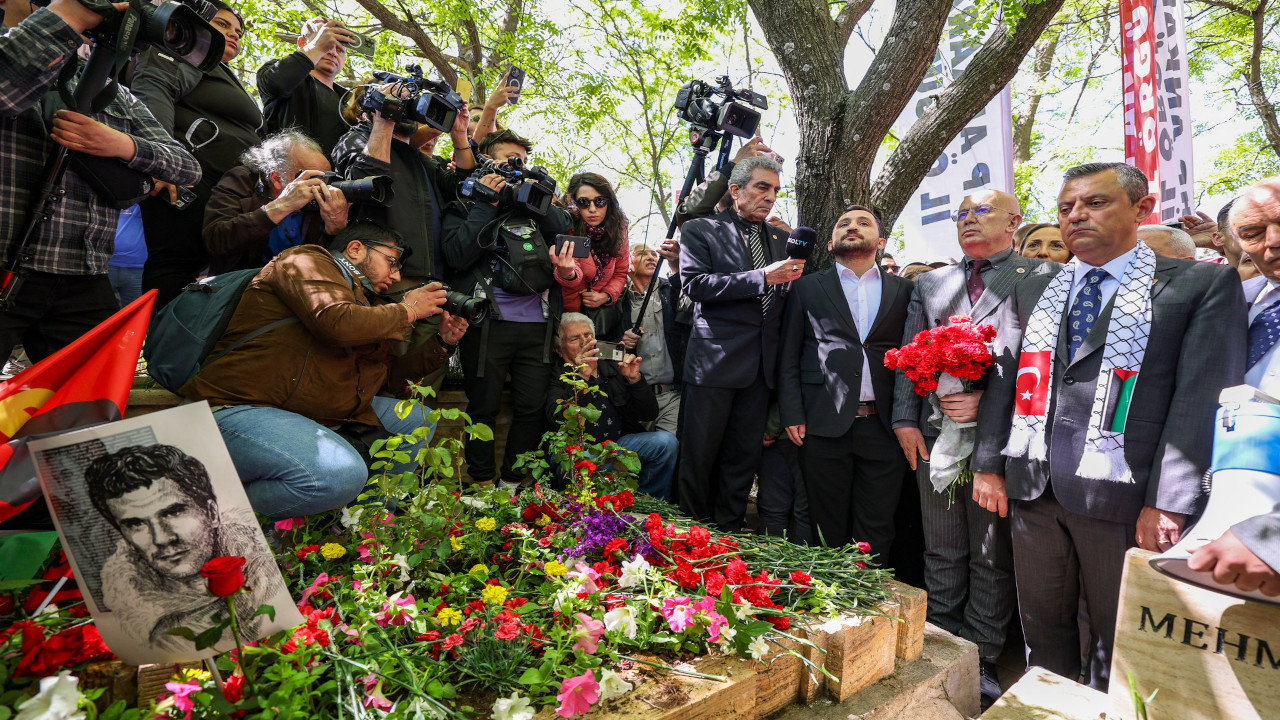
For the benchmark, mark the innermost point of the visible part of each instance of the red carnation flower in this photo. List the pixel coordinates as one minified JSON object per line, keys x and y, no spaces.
{"x":801,"y":578}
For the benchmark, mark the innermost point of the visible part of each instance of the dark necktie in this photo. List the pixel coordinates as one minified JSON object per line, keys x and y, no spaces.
{"x":754,"y":244}
{"x":1264,"y":331}
{"x":1085,"y":311}
{"x":975,"y":284}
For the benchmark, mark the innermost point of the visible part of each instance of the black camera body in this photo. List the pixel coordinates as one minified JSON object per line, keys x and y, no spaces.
{"x":530,"y":189}
{"x":180,"y":27}
{"x":428,"y":102}
{"x":473,"y":309}
{"x":375,"y":188}
{"x":717,"y":107}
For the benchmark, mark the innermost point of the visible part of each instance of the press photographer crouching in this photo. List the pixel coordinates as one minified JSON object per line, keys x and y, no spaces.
{"x":299,"y":405}
{"x":279,"y":197}
{"x":625,"y":401}
{"x":496,"y":241}
{"x":61,"y":289}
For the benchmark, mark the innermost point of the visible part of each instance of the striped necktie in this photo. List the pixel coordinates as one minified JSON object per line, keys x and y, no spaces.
{"x":758,"y":261}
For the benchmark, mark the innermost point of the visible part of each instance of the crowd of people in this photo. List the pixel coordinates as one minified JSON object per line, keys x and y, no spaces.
{"x":740,"y":371}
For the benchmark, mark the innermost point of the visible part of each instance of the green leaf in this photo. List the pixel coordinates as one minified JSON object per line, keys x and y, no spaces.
{"x":209,"y":637}
{"x":481,"y":432}
{"x":182,"y":632}
{"x":268,"y":610}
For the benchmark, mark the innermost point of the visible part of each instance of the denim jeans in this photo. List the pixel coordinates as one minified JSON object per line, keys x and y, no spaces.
{"x":126,"y":282}
{"x":658,"y":452}
{"x":291,"y":465}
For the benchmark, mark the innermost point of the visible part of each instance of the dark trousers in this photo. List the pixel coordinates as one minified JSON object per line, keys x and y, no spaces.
{"x":783,"y":502}
{"x":720,"y":451}
{"x":854,"y":482}
{"x":51,"y":311}
{"x":175,"y":249}
{"x":1060,"y":557}
{"x":515,"y":348}
{"x":968,"y":566}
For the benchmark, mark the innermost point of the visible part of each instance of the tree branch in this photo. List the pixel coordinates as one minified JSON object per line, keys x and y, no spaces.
{"x":849,"y":16}
{"x":415,"y":33}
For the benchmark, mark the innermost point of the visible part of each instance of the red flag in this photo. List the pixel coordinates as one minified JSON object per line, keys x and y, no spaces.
{"x":1141,"y":96}
{"x":85,"y":383}
{"x":1032,"y":383}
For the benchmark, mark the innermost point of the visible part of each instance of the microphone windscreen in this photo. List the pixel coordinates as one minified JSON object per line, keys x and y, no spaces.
{"x":800,"y":244}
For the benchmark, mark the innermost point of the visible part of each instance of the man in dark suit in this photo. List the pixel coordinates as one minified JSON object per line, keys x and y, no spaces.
{"x":1123,"y":356}
{"x":833,"y":384}
{"x":732,"y":266}
{"x":968,"y":559}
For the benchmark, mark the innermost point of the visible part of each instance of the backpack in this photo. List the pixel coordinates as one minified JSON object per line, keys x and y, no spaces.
{"x":185,"y":331}
{"x":524,"y":265}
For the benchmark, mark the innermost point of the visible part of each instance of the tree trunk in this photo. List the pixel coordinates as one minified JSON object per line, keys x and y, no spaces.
{"x":1257,"y":93}
{"x":1025,"y":122}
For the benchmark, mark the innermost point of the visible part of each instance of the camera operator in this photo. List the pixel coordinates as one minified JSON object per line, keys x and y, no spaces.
{"x":712,"y":195}
{"x":301,"y":89}
{"x":626,"y":401}
{"x":276,"y":199}
{"x":516,"y":338}
{"x":665,"y":329}
{"x":66,"y":291}
{"x":213,"y":115}
{"x":303,"y":402}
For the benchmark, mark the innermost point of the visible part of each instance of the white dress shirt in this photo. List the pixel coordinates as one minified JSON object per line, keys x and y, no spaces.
{"x":863,"y":295}
{"x":1265,"y":375}
{"x":1116,"y":269}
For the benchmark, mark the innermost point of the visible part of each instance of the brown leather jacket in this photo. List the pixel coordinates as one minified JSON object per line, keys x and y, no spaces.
{"x":328,"y":366}
{"x":236,"y":227}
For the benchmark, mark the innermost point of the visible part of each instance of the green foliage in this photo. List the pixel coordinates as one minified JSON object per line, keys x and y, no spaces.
{"x":1239,"y":164}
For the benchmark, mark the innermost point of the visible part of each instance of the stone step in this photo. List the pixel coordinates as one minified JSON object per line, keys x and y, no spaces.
{"x":1042,"y":694}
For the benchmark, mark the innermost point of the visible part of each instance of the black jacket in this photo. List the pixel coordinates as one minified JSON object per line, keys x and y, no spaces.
{"x":469,"y":226}
{"x":623,"y":405}
{"x":292,"y":98}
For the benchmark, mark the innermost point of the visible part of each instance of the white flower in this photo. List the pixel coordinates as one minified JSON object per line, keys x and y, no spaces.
{"x":403,"y":562}
{"x":512,"y":708}
{"x":727,"y":634}
{"x":474,"y":502}
{"x":758,"y":648}
{"x":624,"y":619}
{"x":56,"y":700}
{"x":633,"y":572}
{"x":566,"y":597}
{"x":351,"y":516}
{"x":612,"y":686}
{"x":743,"y":611}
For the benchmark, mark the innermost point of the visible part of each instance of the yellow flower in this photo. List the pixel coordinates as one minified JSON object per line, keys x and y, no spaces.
{"x":554,"y":569}
{"x":332,"y":551}
{"x":455,"y":543}
{"x":192,"y":674}
{"x":486,"y":524}
{"x":448,"y":616}
{"x":542,"y":521}
{"x":480,"y":569}
{"x":494,"y":594}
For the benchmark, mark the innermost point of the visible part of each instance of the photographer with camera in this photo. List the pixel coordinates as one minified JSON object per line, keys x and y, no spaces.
{"x":496,"y":244}
{"x":301,"y":89}
{"x":216,"y":118}
{"x":625,"y":400}
{"x":664,"y":333}
{"x":279,"y":197}
{"x":594,"y":284}
{"x":303,"y":402}
{"x":65,"y":290}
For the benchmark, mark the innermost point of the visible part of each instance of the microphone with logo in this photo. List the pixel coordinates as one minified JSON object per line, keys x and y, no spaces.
{"x":800,"y":244}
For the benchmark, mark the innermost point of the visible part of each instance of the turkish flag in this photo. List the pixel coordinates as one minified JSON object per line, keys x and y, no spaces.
{"x":85,"y":383}
{"x":1032,"y":383}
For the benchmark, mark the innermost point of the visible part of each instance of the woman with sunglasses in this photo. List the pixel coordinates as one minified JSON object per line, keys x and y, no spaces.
{"x":598,"y":280}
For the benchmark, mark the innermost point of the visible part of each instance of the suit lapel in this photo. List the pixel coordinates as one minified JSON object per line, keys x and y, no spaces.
{"x":829,"y":280}
{"x":1162,"y":277}
{"x":890,"y":286}
{"x":998,"y":288}
{"x":735,"y":245}
{"x":953,"y":289}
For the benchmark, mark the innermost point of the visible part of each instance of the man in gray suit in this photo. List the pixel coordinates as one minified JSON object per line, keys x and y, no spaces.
{"x":968,"y":561}
{"x":733,"y":266}
{"x":1123,"y":355}
{"x":834,"y":392}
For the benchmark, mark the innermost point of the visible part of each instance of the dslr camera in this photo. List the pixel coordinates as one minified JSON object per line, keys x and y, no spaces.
{"x":717,"y":107}
{"x":375,"y":188}
{"x":181,"y":28}
{"x":473,"y":309}
{"x":529,"y":188}
{"x":425,"y":101}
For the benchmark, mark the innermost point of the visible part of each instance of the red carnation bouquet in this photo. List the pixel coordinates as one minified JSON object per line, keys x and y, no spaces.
{"x":939,"y":362}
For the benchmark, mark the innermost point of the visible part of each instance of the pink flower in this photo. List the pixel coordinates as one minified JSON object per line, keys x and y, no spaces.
{"x":678,"y":612}
{"x":586,"y":575}
{"x":578,"y":694}
{"x":321,"y":580}
{"x":182,"y":696}
{"x":588,"y":633}
{"x":397,"y":610}
{"x":365,"y":555}
{"x":373,"y":693}
{"x":508,"y":631}
{"x":289,"y":523}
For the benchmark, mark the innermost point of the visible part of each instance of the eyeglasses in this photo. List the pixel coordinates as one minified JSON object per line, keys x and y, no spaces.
{"x":585,"y":202}
{"x":979,"y":211}
{"x":392,"y":262}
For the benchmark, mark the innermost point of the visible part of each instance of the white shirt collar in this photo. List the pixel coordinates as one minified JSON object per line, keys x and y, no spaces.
{"x":872,"y":274}
{"x":1115,"y":268}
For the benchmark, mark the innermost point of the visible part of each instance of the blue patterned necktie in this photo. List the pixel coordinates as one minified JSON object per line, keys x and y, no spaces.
{"x":1264,"y":331}
{"x":1085,"y":311}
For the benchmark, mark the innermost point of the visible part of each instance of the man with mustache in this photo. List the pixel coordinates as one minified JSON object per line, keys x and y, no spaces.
{"x":832,"y":384}
{"x":968,"y":561}
{"x":301,"y":89}
{"x":733,"y":266}
{"x":1123,"y":356}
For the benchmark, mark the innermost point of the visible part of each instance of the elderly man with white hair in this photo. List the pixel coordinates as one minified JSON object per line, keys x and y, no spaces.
{"x":1168,"y":241}
{"x":625,"y":401}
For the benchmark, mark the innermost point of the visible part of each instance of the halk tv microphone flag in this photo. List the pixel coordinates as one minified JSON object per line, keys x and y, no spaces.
{"x":85,"y":383}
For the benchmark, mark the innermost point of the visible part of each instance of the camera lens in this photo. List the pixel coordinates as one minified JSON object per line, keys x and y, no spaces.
{"x":475,"y":310}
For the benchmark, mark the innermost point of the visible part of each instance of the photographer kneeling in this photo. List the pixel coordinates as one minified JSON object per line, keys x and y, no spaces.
{"x":295,"y":403}
{"x":625,"y":401}
{"x":279,"y":197}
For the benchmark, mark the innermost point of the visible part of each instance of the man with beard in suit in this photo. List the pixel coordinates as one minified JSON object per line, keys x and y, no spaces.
{"x":733,"y":266}
{"x":1123,"y":356}
{"x":833,"y":384}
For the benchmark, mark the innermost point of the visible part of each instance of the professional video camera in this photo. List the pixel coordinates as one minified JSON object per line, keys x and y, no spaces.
{"x":430,"y":102}
{"x":529,"y":188}
{"x":716,"y":107}
{"x":375,"y":188}
{"x":179,"y":27}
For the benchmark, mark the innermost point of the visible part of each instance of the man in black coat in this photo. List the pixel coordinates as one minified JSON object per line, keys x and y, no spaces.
{"x":731,"y":266}
{"x":835,"y":393}
{"x":301,"y":90}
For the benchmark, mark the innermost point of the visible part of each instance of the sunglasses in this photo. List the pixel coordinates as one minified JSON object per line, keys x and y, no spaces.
{"x":600,"y":201}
